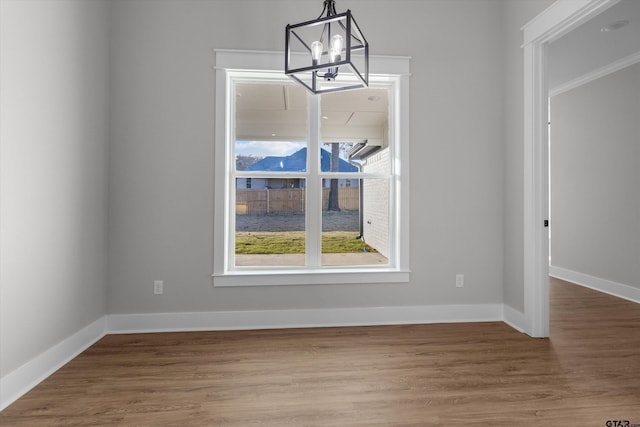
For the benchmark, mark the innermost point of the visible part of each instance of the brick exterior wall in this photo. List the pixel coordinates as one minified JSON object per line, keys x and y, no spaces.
{"x":376,"y":203}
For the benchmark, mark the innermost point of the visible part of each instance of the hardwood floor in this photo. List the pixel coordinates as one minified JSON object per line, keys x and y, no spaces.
{"x":482,"y":374}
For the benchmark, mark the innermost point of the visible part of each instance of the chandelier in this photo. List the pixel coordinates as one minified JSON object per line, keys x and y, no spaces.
{"x":327,"y":54}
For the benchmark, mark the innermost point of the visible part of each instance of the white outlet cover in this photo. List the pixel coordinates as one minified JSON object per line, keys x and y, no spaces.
{"x":157,"y":287}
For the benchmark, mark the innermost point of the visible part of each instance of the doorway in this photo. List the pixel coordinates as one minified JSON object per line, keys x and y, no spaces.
{"x":552,"y":24}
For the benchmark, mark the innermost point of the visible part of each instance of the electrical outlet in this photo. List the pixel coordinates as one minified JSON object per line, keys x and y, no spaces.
{"x":158,"y":286}
{"x":459,"y":280}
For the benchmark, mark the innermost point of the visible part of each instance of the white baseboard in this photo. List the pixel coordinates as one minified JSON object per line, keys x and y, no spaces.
{"x":19,"y":381}
{"x":619,"y":290}
{"x":514,"y":318}
{"x":306,"y":318}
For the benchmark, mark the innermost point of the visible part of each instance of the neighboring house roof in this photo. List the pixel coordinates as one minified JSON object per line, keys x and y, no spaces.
{"x":297,"y":162}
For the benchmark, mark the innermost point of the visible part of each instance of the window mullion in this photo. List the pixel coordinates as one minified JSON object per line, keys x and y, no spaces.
{"x":314,"y":187}
{"x":230,"y":152}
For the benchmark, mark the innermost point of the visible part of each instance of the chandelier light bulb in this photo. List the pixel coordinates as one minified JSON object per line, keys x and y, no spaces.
{"x":316,"y":52}
{"x":337,"y":42}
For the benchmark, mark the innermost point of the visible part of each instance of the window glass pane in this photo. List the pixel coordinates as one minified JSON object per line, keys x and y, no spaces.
{"x":265,"y":121}
{"x":355,"y":230}
{"x":271,"y":127}
{"x":354,"y":126}
{"x":270,"y":222}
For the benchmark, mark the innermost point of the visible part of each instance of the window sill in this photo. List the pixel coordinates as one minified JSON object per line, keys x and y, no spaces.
{"x":309,"y":277}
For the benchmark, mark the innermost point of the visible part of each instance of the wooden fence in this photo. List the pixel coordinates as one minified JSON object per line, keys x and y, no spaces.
{"x":290,"y":200}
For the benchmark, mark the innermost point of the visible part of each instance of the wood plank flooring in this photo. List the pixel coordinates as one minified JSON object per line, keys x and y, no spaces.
{"x":482,"y":374}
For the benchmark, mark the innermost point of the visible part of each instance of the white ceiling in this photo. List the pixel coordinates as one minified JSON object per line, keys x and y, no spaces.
{"x":588,"y":48}
{"x":279,"y":112}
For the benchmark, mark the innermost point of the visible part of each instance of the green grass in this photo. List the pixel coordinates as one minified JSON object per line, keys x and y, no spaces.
{"x":292,"y":242}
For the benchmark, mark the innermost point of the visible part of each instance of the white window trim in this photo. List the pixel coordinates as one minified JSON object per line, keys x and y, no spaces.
{"x":383,"y":69}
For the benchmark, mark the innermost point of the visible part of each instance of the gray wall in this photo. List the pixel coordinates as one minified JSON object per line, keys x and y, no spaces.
{"x":53,"y":173}
{"x":587,"y":47}
{"x":70,"y":68}
{"x":515,"y":15}
{"x":161,"y":202}
{"x":595,"y":178}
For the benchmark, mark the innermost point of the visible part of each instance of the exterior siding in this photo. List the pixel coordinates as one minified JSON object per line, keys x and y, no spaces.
{"x":376,"y":203}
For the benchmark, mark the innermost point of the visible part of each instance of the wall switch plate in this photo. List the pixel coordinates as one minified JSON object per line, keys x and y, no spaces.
{"x":459,"y":280}
{"x":158,"y":286}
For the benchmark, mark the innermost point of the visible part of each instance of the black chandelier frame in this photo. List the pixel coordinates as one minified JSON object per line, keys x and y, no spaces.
{"x":322,"y":77}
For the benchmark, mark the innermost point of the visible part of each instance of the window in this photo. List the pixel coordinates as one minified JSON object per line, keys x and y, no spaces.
{"x":309,"y":189}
